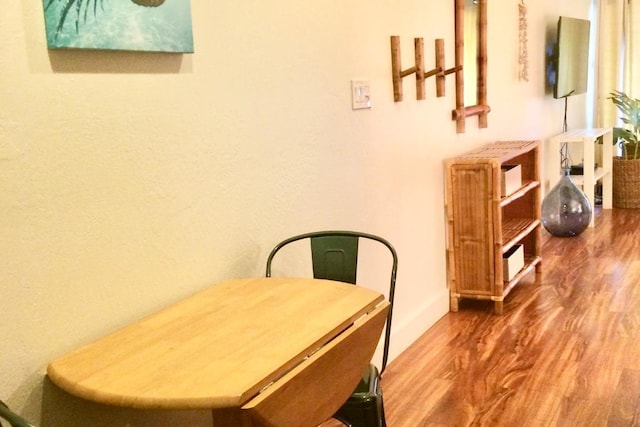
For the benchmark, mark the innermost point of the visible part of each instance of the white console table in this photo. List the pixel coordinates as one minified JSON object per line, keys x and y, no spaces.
{"x":587,"y":140}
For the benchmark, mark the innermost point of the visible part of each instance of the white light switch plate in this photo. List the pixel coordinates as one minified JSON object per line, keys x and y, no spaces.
{"x":360,"y":94}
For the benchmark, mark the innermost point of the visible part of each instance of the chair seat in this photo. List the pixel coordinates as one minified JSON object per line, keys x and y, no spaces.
{"x":364,"y":408}
{"x":368,"y":384}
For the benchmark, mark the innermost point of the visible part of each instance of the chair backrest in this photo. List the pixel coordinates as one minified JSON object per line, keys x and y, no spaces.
{"x":14,"y":419}
{"x":334,"y":256}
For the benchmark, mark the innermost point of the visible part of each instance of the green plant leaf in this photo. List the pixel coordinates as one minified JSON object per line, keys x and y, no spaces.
{"x":629,"y":136}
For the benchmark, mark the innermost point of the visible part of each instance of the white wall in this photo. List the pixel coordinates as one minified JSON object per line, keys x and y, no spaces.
{"x":129,"y":180}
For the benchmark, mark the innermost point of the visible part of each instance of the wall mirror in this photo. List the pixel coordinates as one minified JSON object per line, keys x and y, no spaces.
{"x":471,"y":62}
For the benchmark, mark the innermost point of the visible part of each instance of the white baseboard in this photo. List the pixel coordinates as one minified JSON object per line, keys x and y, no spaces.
{"x":406,"y":332}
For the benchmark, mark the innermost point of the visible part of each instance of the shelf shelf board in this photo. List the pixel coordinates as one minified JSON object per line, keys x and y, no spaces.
{"x":598,"y":173}
{"x":528,"y":186}
{"x":578,"y":135}
{"x":529,"y":265}
{"x":515,"y":229}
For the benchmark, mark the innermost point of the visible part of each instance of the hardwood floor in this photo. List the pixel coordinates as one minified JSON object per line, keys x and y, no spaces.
{"x":566,"y":351}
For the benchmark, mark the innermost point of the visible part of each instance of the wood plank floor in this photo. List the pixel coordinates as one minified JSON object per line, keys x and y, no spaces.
{"x":566,"y":351}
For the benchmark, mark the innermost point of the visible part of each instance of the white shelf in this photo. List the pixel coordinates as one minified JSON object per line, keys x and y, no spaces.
{"x":587,"y":140}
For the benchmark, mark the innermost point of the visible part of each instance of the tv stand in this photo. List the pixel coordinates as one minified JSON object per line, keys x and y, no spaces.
{"x":587,"y":140}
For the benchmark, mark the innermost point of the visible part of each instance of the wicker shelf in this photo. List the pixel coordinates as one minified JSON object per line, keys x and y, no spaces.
{"x":483,"y":225}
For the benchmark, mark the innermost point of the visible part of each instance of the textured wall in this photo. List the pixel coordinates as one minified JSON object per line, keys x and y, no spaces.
{"x":130,"y":180}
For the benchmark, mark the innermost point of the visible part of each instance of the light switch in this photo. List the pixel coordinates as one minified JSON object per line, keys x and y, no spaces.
{"x":360,"y":94}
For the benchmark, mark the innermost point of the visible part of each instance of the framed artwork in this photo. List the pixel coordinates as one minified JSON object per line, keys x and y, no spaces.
{"x":138,"y":25}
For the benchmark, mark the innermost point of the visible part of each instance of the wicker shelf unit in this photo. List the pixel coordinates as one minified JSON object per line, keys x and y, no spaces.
{"x":483,"y":224}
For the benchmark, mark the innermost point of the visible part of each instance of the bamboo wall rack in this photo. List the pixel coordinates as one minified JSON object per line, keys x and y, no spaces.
{"x":418,"y":69}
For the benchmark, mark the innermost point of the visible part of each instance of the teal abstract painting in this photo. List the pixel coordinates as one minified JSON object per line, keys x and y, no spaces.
{"x":140,"y":25}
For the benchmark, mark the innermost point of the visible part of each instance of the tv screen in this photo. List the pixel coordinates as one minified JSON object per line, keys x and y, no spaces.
{"x":572,"y":60}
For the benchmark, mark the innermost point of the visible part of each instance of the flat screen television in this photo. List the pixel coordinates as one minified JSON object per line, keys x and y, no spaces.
{"x":572,"y":57}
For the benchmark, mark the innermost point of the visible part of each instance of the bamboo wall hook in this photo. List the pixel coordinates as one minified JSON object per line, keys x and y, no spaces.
{"x":418,"y":69}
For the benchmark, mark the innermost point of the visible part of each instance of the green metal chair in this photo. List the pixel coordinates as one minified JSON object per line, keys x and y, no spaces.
{"x":14,"y":419}
{"x":335,"y":257}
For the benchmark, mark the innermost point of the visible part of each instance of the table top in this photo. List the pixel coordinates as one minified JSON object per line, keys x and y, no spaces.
{"x":216,"y":349}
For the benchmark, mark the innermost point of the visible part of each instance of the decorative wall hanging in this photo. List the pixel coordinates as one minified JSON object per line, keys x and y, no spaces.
{"x":138,"y":25}
{"x":471,"y":43}
{"x":418,"y":69}
{"x":523,"y":57}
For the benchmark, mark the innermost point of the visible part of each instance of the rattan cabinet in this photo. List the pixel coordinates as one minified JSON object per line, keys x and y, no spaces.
{"x":484,"y":225}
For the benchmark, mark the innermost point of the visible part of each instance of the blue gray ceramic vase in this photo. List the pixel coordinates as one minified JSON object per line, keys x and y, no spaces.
{"x":566,"y":211}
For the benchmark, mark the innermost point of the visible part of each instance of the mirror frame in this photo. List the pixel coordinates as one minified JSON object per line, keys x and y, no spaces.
{"x":480,"y":109}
